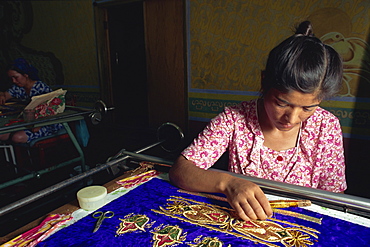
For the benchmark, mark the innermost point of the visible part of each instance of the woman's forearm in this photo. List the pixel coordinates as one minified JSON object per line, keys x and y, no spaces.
{"x":186,"y":175}
{"x":247,"y":198}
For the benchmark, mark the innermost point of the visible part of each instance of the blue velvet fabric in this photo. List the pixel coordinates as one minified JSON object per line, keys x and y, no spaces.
{"x":152,"y":200}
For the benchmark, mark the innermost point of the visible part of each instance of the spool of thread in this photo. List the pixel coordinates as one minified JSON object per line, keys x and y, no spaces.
{"x":92,"y":197}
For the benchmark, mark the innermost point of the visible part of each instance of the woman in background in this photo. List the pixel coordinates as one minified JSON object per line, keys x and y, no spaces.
{"x":26,"y":85}
{"x":283,"y":136}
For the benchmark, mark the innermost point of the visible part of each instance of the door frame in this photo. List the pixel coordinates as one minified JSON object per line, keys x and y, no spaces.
{"x":164,"y":25}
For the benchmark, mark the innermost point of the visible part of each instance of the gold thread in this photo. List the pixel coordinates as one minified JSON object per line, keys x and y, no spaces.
{"x":298,"y":215}
{"x":296,"y":225}
{"x":197,"y":202}
{"x":275,"y":210}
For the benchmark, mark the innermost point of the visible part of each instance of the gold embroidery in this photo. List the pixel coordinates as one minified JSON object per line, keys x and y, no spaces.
{"x":167,"y":235}
{"x":194,"y":201}
{"x":220,"y":219}
{"x":276,"y":210}
{"x":298,"y":215}
{"x":133,"y":223}
{"x":216,"y":229}
{"x":313,"y":231}
{"x":207,"y":242}
{"x":297,"y":239}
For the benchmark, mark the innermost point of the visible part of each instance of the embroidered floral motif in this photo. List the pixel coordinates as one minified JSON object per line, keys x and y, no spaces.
{"x":168,"y":235}
{"x":297,"y":239}
{"x":177,"y":207}
{"x":218,"y":218}
{"x":133,"y":223}
{"x":265,"y":230}
{"x":207,"y":242}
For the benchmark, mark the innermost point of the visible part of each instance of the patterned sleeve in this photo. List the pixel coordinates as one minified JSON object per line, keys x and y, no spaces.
{"x":15,"y":91}
{"x":212,"y":142}
{"x":333,"y":173}
{"x":40,"y":88}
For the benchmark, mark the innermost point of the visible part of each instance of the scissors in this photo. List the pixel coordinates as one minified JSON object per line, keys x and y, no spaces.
{"x":101,"y":216}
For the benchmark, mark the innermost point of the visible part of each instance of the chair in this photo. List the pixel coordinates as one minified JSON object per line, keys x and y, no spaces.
{"x":45,"y":155}
{"x":46,"y":151}
{"x":9,"y":155}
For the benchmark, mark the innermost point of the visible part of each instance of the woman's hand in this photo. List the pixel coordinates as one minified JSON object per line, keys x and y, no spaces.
{"x":247,"y":199}
{"x":2,"y":98}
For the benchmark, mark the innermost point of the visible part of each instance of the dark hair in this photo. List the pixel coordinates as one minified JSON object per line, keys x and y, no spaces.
{"x":23,"y":67}
{"x":303,"y":63}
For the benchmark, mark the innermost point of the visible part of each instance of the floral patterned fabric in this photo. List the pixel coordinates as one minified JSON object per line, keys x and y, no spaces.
{"x":38,"y":88}
{"x":317,"y":161}
{"x":53,"y":106}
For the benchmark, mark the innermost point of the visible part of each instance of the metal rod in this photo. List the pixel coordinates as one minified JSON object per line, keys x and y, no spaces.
{"x":144,"y":157}
{"x":36,"y":174}
{"x":65,"y":183}
{"x":59,"y":116}
{"x":121,"y":152}
{"x":56,"y":187}
{"x":150,"y":146}
{"x":77,"y":146}
{"x":345,"y":202}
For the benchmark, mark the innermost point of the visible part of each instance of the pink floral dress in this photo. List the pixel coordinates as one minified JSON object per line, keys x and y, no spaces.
{"x":317,"y":161}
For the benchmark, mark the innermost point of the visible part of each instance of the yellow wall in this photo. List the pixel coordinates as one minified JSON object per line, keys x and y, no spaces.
{"x":66,"y":28}
{"x":230,"y":41}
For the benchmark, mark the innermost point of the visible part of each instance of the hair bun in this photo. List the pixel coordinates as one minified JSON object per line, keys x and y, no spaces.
{"x":305,"y":28}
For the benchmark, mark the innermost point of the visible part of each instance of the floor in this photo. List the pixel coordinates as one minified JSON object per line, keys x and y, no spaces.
{"x":105,"y":141}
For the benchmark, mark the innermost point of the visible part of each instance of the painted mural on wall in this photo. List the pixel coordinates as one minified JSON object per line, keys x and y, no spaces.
{"x":230,"y":41}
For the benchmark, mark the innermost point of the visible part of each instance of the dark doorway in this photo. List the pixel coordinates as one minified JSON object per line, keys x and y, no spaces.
{"x":128,"y":64}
